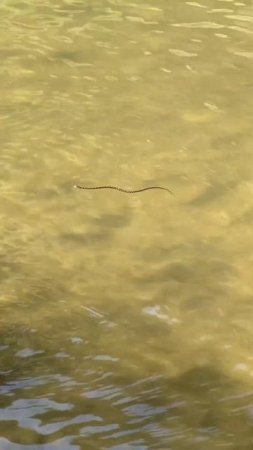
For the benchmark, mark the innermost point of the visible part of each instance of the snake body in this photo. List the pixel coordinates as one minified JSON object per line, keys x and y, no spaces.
{"x":126,"y":191}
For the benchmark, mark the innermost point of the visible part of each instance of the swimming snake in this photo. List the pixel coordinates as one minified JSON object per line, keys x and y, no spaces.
{"x":126,"y":191}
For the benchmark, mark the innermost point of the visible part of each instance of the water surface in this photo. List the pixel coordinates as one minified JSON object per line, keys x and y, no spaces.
{"x":126,"y":320}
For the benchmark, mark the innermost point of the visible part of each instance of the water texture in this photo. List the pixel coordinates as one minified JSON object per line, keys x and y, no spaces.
{"x":126,"y":320}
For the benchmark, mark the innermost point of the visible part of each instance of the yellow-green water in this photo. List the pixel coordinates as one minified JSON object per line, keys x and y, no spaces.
{"x":126,"y":320}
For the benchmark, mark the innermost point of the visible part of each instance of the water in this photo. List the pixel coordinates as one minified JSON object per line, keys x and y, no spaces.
{"x":126,"y":320}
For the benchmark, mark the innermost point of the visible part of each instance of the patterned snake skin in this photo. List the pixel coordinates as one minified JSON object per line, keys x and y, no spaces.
{"x":127,"y":191}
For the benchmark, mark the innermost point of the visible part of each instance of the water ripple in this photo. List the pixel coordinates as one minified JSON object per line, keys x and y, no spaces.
{"x":207,"y":25}
{"x":62,"y":444}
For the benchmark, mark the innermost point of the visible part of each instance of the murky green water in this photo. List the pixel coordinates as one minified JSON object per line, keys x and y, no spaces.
{"x":126,"y":320}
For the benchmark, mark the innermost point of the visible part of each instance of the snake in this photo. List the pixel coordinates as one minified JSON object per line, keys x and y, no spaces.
{"x":126,"y":191}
